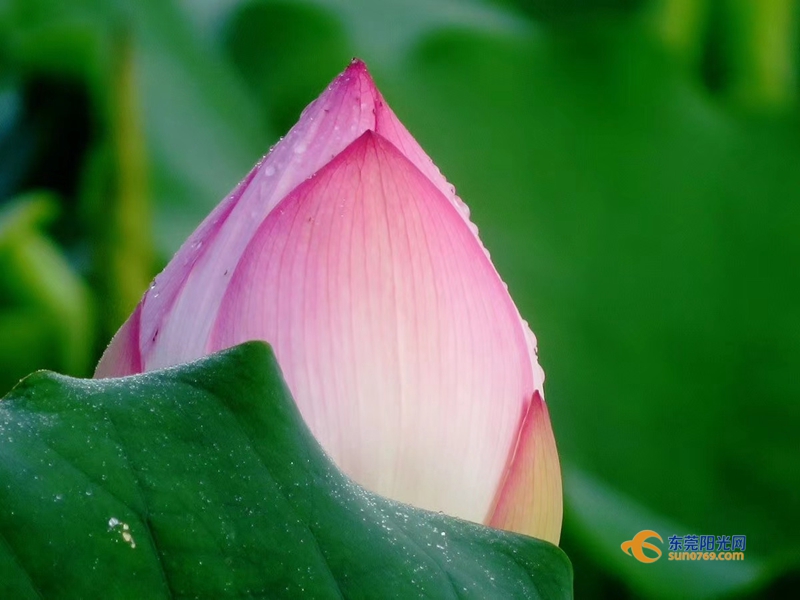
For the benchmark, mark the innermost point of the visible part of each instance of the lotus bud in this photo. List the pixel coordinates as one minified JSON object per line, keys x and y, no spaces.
{"x":348,"y":252}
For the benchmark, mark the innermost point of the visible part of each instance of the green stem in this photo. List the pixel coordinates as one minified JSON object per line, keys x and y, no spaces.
{"x":681,"y":24}
{"x":762,"y":47}
{"x":117,"y":190}
{"x":133,"y":260}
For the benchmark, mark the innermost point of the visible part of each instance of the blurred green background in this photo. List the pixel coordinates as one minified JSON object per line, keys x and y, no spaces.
{"x":634,"y":168}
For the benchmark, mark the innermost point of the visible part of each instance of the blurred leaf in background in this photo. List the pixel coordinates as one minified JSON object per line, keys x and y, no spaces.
{"x":46,"y":312}
{"x":632,"y":166}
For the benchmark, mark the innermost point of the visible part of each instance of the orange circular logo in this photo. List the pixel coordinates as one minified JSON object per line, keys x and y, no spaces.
{"x":636,"y":546}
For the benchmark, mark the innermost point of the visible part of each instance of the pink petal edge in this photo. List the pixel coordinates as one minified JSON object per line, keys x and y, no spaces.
{"x":122,"y":356}
{"x":530,"y":498}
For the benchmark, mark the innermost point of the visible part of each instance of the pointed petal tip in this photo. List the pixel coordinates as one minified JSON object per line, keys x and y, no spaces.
{"x":370,"y":138}
{"x":358,"y":78}
{"x":530,"y":500}
{"x":357,"y":65}
{"x":370,"y":142}
{"x":357,"y":71}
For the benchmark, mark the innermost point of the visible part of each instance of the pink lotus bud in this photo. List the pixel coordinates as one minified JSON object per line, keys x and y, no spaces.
{"x":348,"y":252}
